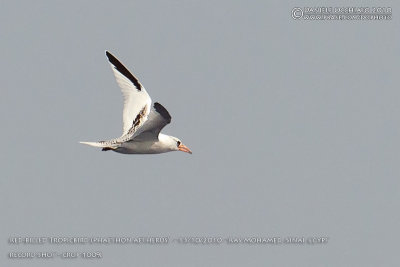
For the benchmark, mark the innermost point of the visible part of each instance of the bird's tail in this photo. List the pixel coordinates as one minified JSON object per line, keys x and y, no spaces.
{"x":104,"y":145}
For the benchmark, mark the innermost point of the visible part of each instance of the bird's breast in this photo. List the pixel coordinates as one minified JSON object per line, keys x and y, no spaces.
{"x":148,"y":147}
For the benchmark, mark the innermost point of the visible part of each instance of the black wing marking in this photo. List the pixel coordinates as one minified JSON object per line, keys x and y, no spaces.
{"x":123,"y":70}
{"x":138,"y":120}
{"x":163,"y":112}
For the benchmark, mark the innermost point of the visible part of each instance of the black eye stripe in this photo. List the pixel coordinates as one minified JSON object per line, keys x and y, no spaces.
{"x":178,"y":143}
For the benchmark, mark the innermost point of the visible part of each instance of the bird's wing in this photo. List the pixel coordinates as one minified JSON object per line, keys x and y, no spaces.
{"x":137,"y":101}
{"x":158,"y":118}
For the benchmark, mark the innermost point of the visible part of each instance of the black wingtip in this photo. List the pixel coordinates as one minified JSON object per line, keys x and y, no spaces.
{"x":163,"y":112}
{"x":123,"y":70}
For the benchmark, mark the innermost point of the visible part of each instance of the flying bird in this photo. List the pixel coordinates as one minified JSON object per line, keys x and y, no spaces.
{"x":142,"y":121}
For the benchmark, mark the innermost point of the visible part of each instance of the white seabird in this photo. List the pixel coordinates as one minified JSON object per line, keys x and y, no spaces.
{"x":142,"y":122}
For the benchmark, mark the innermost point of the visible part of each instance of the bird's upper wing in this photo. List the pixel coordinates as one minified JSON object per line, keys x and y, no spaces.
{"x":158,"y":118}
{"x":137,"y":101}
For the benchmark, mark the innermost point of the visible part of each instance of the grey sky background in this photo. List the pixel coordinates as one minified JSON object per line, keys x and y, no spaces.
{"x":294,"y":128}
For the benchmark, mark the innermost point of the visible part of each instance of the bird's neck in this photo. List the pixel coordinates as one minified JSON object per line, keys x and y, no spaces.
{"x":167,"y":141}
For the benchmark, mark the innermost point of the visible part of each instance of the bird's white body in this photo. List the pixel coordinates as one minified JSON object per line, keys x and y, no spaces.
{"x":142,"y":122}
{"x":164,"y":143}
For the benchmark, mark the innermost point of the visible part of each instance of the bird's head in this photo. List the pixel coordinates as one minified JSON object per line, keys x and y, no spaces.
{"x":178,"y":145}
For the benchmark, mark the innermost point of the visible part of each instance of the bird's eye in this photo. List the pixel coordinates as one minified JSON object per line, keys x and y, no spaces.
{"x":178,"y":143}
